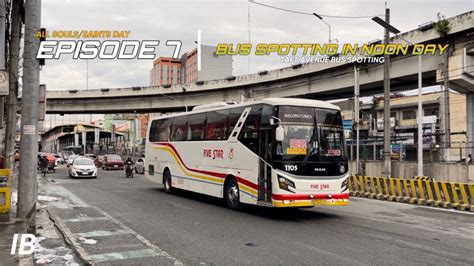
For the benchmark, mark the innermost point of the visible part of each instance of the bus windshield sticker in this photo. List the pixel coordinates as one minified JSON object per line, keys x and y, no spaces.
{"x":297,"y":147}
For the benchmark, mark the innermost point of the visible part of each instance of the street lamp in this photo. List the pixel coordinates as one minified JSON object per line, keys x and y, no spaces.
{"x":389,"y":28}
{"x":329,"y":26}
{"x":386,"y":92}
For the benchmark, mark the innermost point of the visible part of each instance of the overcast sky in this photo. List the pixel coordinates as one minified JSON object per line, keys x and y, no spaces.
{"x":221,"y":21}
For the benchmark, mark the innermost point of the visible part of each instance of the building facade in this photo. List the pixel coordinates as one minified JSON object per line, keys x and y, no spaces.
{"x":165,"y":71}
{"x":403,"y":121}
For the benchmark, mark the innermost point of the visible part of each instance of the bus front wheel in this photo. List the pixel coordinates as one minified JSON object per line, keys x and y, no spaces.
{"x":167,"y":182}
{"x":232,"y":194}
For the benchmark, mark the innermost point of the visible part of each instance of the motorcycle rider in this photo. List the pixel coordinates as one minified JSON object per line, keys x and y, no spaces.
{"x":129,"y":165}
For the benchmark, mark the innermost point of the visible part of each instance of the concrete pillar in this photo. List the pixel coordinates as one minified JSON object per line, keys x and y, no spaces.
{"x":96,"y":140}
{"x":470,"y":123}
{"x":76,"y":139}
{"x":84,"y":142}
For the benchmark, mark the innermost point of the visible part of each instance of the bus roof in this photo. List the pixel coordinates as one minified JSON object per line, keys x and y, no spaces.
{"x":270,"y":101}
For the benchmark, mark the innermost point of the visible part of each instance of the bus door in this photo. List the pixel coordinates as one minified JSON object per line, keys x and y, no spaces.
{"x":265,"y":169}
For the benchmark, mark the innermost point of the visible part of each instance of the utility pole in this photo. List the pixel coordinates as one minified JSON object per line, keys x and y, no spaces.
{"x":386,"y":104}
{"x":12,"y":103}
{"x":3,"y":24}
{"x":420,"y":119}
{"x":447,"y":115}
{"x":27,"y":183}
{"x":357,"y":115}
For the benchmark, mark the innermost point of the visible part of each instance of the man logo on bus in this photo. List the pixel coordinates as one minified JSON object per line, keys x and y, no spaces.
{"x":231,"y":153}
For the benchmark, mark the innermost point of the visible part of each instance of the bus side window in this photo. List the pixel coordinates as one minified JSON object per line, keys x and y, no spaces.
{"x":249,"y":133}
{"x":154,"y":133}
{"x":163,"y":130}
{"x":217,"y":124}
{"x":179,"y":130}
{"x":197,"y":126}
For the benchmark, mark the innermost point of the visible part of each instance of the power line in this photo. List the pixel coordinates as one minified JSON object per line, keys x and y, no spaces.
{"x":310,"y":14}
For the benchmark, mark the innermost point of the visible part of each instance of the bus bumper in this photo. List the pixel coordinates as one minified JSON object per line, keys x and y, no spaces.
{"x":308,"y":200}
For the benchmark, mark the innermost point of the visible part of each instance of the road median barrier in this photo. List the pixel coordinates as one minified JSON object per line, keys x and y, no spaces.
{"x":417,"y":190}
{"x":5,"y":194}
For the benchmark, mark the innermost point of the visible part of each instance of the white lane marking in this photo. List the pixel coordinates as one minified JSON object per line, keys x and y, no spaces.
{"x":85,"y":219}
{"x":454,"y":211}
{"x":70,"y":200}
{"x":101,"y":233}
{"x":132,"y":254}
{"x":142,"y":239}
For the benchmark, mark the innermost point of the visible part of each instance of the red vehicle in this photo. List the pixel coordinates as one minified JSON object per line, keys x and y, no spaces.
{"x":51,"y":161}
{"x":112,"y":161}
{"x":99,"y":160}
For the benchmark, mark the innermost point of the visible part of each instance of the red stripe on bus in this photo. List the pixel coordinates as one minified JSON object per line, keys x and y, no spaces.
{"x":219,"y":175}
{"x":308,"y":196}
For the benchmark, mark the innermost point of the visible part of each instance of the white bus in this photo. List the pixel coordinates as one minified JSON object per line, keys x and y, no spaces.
{"x":280,"y":152}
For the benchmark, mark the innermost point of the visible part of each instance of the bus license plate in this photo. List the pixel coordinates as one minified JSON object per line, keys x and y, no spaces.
{"x":116,"y":165}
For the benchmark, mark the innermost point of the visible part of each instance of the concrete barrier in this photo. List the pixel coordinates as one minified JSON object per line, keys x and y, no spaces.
{"x":448,"y":172}
{"x":415,"y":191}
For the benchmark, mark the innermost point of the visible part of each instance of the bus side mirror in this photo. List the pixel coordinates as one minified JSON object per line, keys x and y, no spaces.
{"x":274,"y":121}
{"x":279,"y":134}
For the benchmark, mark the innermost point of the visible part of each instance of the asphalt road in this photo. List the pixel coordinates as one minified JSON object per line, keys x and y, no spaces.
{"x":191,"y":229}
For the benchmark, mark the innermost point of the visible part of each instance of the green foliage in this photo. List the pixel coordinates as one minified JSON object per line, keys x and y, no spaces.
{"x":442,"y":26}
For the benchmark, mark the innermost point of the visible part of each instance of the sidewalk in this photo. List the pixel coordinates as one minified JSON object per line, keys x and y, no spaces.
{"x":8,"y":229}
{"x":6,"y":237}
{"x":50,"y":247}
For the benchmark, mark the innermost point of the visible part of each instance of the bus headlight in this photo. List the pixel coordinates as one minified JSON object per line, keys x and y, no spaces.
{"x":342,"y":169}
{"x":285,"y":183}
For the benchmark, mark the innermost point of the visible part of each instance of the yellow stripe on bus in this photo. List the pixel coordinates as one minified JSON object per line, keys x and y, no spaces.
{"x":207,"y":178}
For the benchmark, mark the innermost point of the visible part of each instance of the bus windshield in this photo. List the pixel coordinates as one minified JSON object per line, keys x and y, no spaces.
{"x":311,"y":134}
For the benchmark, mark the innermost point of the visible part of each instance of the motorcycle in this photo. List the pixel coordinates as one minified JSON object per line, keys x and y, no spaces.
{"x":129,"y":170}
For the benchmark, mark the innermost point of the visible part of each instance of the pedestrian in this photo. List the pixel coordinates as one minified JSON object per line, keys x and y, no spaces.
{"x":469,"y":159}
{"x":44,"y":164}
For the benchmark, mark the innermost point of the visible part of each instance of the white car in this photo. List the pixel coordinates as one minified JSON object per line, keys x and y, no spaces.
{"x":140,"y":166}
{"x":70,"y":159}
{"x":83,"y":167}
{"x":59,"y":159}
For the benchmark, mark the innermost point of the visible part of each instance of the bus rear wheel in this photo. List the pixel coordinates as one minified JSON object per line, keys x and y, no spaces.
{"x":232,"y":194}
{"x":167,"y":182}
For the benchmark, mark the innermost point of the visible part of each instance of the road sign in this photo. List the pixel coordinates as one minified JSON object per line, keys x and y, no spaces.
{"x":4,"y":85}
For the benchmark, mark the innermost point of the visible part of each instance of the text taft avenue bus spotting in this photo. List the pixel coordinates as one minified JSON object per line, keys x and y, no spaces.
{"x":273,"y":152}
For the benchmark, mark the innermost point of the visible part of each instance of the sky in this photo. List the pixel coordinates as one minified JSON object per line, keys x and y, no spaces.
{"x":221,"y":21}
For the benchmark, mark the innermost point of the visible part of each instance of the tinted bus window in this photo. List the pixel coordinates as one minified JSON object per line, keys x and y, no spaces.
{"x":197,"y":126}
{"x":234,"y":116}
{"x":249,"y":133}
{"x":217,"y":124}
{"x":163,"y":130}
{"x":267,"y":113}
{"x":179,"y":130}
{"x":159,"y":130}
